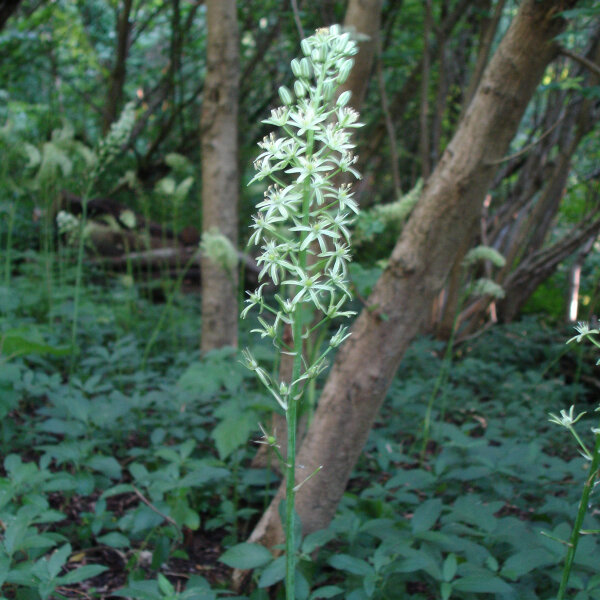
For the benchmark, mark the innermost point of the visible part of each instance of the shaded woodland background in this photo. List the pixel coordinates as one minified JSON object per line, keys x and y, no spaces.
{"x":481,"y":130}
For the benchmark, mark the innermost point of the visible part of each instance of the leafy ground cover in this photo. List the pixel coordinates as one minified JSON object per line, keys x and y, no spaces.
{"x":126,"y":473}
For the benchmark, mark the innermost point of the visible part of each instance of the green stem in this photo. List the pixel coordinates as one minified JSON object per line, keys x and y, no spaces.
{"x":8,"y":255}
{"x":575,"y":534}
{"x":78,"y":274}
{"x":441,"y":379}
{"x":166,"y":309}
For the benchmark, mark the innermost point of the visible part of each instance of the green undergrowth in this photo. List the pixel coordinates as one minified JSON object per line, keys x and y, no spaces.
{"x":134,"y":475}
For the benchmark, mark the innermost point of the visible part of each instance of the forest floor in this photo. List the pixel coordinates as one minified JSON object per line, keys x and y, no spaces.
{"x":126,"y":468}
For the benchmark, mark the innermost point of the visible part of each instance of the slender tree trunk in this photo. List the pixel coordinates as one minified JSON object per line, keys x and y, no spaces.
{"x":424,"y":109}
{"x":575,"y":281}
{"x":364,"y":17}
{"x":220,"y":171}
{"x":490,"y":26}
{"x":449,"y":207}
{"x":399,"y":103}
{"x":114,"y":95}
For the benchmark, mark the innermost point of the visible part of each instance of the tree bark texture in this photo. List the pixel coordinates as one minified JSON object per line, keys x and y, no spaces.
{"x":220,"y":171}
{"x":114,"y":95}
{"x":364,"y":17}
{"x":449,"y":208}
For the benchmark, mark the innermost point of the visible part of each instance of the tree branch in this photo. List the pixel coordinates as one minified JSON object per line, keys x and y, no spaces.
{"x":592,"y":66}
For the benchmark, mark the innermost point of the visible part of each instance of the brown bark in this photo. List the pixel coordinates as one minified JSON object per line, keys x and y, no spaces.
{"x":220,"y":170}
{"x":489,"y":28}
{"x":364,"y":17}
{"x":114,"y":95}
{"x":450,"y":204}
{"x":424,"y":109}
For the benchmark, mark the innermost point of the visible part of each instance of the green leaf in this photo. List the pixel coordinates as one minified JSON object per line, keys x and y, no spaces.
{"x":246,"y":556}
{"x":353,"y":565}
{"x":234,"y":431}
{"x":27,"y":340}
{"x":140,"y":590}
{"x":426,"y":515}
{"x":82,"y":573}
{"x":482,"y":584}
{"x":121,"y":488}
{"x":369,"y":583}
{"x":57,"y":559}
{"x":525,"y":561}
{"x":328,"y":591}
{"x":107,"y":465}
{"x":165,"y":586}
{"x":449,"y":567}
{"x":301,"y":586}
{"x":273,"y":573}
{"x":316,"y":539}
{"x":445,"y":590}
{"x":115,"y":540}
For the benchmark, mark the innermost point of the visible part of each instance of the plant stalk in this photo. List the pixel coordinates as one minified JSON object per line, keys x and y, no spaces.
{"x":575,"y":534}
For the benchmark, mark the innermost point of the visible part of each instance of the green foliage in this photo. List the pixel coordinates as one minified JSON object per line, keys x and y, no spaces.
{"x":465,"y":523}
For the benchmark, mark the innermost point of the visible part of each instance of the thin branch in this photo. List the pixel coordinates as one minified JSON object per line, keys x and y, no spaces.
{"x":529,"y":146}
{"x":389,"y":125}
{"x":157,"y":511}
{"x":424,"y":109}
{"x":592,"y":66}
{"x":297,"y":18}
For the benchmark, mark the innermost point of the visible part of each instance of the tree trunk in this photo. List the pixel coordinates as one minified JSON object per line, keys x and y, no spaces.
{"x":220,"y":171}
{"x":364,"y":17}
{"x":114,"y":96}
{"x":424,"y":108}
{"x":449,"y":208}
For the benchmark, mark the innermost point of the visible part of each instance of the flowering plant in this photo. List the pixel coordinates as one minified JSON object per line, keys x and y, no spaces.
{"x":592,"y":456}
{"x":302,"y":228}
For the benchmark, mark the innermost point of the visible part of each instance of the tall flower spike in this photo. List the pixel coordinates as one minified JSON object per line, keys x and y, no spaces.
{"x":302,"y":216}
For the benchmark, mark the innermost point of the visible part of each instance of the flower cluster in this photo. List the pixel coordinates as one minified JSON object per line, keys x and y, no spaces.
{"x":118,"y":135}
{"x":302,"y":225}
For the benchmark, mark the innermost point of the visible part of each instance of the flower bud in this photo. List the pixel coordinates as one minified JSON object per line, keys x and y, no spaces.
{"x":328,"y":90}
{"x":295,"y":65}
{"x":319,"y":54}
{"x":345,"y":69}
{"x":305,"y":45}
{"x":305,"y":69}
{"x":285,"y":95}
{"x":299,"y":89}
{"x":343,"y":98}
